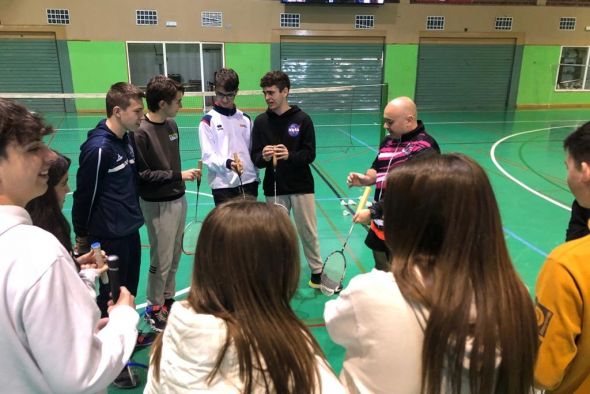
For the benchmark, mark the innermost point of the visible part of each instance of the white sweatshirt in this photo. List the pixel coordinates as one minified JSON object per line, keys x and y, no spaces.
{"x":48,"y":337}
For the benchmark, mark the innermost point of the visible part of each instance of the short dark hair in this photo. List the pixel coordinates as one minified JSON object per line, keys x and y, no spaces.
{"x":120,"y":94}
{"x":161,"y":88}
{"x":577,"y":144}
{"x":276,"y":78}
{"x":19,"y":124}
{"x":227,"y":79}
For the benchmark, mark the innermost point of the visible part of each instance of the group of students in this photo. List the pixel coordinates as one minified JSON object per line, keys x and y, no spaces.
{"x":450,"y":313}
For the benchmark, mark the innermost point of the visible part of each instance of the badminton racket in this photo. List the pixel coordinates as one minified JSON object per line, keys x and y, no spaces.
{"x":239,"y":172}
{"x":274,"y":171}
{"x":334,"y":268}
{"x":192,"y":230}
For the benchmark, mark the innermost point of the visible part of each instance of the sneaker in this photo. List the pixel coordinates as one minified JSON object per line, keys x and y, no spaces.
{"x":127,"y":379}
{"x":144,"y":339}
{"x":168,"y":304}
{"x":315,"y":281}
{"x":156,"y":317}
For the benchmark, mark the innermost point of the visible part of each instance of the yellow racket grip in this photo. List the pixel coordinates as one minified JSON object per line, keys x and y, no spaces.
{"x":364,"y":199}
{"x":200,"y":165}
{"x":274,"y":160}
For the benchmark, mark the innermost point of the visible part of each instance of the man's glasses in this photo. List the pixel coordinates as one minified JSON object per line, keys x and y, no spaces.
{"x":388,"y":122}
{"x":229,"y":95}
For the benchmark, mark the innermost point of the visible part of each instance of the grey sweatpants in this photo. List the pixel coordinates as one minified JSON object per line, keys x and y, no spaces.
{"x":165,"y":223}
{"x":303,"y":206}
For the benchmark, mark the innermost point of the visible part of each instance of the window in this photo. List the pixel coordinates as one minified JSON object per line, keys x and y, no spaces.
{"x":435,"y":23}
{"x":290,"y":20}
{"x":504,"y":23}
{"x":192,"y":64}
{"x":146,"y":17}
{"x":573,"y":69}
{"x":364,"y":21}
{"x":58,"y":17}
{"x":567,"y":23}
{"x":211,"y":19}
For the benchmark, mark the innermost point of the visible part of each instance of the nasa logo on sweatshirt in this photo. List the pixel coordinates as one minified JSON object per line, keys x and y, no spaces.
{"x":293,"y":130}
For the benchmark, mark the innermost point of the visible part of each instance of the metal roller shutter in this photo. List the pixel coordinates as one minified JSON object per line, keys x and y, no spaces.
{"x":310,"y":63}
{"x":29,"y":63}
{"x":464,"y":73}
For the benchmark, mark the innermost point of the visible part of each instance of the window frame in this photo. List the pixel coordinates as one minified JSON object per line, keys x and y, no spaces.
{"x":144,"y":17}
{"x":164,"y":43}
{"x":289,"y":17}
{"x":57,"y":16}
{"x":586,"y":74}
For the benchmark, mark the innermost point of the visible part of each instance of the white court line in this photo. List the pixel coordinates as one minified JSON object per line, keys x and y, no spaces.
{"x":518,"y":182}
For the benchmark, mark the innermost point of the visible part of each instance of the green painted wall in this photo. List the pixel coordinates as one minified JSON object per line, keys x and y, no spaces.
{"x":251,"y":62}
{"x":538,"y":76}
{"x":400,"y":69}
{"x":96,"y":65}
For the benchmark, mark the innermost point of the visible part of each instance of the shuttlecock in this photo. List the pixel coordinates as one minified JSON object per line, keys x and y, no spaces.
{"x":368,"y":204}
{"x":345,"y":213}
{"x":351,"y":202}
{"x":343,"y":203}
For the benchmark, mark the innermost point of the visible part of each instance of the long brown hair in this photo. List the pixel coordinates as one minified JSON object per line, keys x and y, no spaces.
{"x":246,"y":271}
{"x":45,"y":210}
{"x":451,"y":258}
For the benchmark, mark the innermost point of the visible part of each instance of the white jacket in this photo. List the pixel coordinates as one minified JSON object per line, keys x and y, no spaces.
{"x":48,"y":341}
{"x":220,"y":136}
{"x":190,"y":347}
{"x":382,"y":336}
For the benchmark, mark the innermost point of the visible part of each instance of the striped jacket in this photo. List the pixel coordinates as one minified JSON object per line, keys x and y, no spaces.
{"x":396,"y":151}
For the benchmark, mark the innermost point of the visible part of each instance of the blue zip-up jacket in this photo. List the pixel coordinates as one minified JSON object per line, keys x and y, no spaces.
{"x":106,"y":202}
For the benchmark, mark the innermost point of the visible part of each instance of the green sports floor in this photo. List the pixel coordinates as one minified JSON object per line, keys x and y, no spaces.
{"x":520,"y":150}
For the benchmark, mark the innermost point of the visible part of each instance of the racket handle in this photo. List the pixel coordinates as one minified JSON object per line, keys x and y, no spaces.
{"x":114,"y":278}
{"x":104,"y":278}
{"x":200,"y":167}
{"x":238,"y":163}
{"x":274,"y":160}
{"x":364,"y":199}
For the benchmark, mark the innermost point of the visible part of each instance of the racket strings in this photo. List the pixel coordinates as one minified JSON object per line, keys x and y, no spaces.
{"x":333,"y":273}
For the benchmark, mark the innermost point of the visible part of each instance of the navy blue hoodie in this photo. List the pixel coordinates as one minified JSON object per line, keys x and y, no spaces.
{"x":106,"y":204}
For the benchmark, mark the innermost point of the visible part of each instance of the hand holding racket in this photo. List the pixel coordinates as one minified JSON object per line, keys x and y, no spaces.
{"x":334,"y":268}
{"x":191,"y":231}
{"x":239,"y":169}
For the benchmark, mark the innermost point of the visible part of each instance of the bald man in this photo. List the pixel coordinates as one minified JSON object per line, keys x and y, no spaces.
{"x":406,"y":139}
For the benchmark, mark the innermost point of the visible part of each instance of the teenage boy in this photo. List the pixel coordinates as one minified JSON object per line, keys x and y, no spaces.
{"x":161,"y":191}
{"x":49,"y":333}
{"x":106,"y":204}
{"x":285,"y":135}
{"x":563,"y":289}
{"x":225,"y":139}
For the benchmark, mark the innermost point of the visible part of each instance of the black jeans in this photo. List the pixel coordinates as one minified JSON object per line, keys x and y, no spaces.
{"x":222,"y":195}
